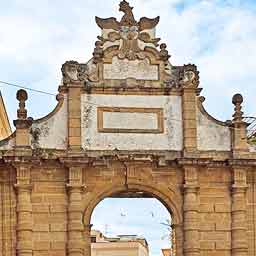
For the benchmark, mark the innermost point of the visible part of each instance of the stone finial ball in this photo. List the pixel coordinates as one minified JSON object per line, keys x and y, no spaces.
{"x":21,"y":95}
{"x":163,"y":46}
{"x":237,"y":99}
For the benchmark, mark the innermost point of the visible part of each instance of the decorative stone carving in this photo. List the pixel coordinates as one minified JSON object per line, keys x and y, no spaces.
{"x":240,"y":127}
{"x":127,"y":20}
{"x":22,"y":122}
{"x":237,"y":100}
{"x":72,"y":71}
{"x":164,"y":53}
{"x":123,"y":45}
{"x":69,"y":71}
{"x":82,"y":72}
{"x":128,"y":31}
{"x":98,"y":52}
{"x":190,"y":76}
{"x":22,"y":96}
{"x":146,"y":38}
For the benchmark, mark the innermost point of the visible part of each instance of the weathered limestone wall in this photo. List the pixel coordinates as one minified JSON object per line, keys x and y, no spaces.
{"x":210,"y":218}
{"x":212,"y":136}
{"x":49,"y":205}
{"x":169,"y":139}
{"x":51,"y":132}
{"x":7,"y":213}
{"x":215,"y":211}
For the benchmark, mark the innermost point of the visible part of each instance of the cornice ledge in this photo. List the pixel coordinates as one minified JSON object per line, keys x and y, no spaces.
{"x":80,"y":187}
{"x":74,"y":161}
{"x":241,"y":162}
{"x":194,"y":161}
{"x":17,"y":161}
{"x":19,"y":187}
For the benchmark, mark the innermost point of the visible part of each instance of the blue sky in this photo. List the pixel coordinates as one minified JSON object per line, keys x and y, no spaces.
{"x":219,"y":36}
{"x":142,"y":217}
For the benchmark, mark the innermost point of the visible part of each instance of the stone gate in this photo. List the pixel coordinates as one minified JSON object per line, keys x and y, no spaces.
{"x":127,"y":123}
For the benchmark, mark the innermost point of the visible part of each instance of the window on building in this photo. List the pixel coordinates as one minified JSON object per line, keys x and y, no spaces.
{"x":93,"y":239}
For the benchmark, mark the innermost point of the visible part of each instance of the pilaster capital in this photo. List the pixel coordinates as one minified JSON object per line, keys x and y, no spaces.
{"x":239,"y":178}
{"x":191,"y":188}
{"x":72,"y":188}
{"x":23,"y":177}
{"x":236,"y":189}
{"x":23,"y":187}
{"x":190,"y":178}
{"x":18,"y":165}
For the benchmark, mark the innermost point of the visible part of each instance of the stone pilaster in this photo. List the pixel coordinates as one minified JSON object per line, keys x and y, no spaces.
{"x":189,"y":119}
{"x":76,"y":240}
{"x":238,"y":214}
{"x":24,"y":211}
{"x":74,"y":119}
{"x":191,"y":212}
{"x":190,"y":83}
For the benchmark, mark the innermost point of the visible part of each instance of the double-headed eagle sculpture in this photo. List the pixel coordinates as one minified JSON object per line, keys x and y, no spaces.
{"x":127,"y":20}
{"x":129,"y":31}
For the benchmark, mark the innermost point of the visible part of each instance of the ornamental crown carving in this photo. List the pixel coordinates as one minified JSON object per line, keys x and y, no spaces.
{"x":130,"y":34}
{"x":128,"y":54}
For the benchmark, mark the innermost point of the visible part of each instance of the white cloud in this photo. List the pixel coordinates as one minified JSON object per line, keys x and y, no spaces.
{"x":219,"y":38}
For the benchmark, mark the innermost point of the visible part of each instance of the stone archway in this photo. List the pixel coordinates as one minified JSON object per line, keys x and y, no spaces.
{"x":157,"y":192}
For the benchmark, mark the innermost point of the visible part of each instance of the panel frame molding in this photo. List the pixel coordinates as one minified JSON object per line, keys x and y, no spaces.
{"x":158,"y":111}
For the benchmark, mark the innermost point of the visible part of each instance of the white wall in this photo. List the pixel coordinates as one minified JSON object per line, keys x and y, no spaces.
{"x":53,"y":131}
{"x":212,"y":136}
{"x":170,"y":139}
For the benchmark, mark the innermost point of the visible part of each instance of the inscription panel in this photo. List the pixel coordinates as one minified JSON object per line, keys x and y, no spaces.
{"x":137,"y":69}
{"x":130,"y":120}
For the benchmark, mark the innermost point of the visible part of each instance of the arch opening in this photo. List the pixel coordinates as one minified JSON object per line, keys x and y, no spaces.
{"x":130,"y":216}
